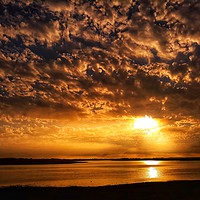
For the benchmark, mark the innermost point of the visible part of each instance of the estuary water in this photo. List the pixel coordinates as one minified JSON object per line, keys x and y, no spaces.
{"x":98,"y":173}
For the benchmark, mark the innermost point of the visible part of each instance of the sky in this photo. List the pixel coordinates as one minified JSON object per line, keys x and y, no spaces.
{"x":75,"y":75}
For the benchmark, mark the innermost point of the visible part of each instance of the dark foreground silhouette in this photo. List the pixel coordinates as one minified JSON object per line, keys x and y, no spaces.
{"x":178,"y":190}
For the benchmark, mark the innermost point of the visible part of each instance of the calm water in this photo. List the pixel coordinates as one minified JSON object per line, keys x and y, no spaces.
{"x":95,"y":173}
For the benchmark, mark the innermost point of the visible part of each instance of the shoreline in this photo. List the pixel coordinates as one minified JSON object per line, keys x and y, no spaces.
{"x":183,"y":189}
{"x":43,"y":161}
{"x":31,"y":161}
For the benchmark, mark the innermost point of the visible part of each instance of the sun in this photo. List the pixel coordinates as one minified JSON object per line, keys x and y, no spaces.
{"x":147,"y":124}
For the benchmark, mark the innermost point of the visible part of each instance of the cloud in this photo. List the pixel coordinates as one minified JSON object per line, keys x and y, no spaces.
{"x":137,"y":48}
{"x":72,"y":60}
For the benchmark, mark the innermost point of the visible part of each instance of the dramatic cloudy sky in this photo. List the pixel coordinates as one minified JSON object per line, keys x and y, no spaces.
{"x":75,"y":74}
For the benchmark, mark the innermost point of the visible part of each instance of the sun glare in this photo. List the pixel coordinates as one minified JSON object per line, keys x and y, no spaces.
{"x":147,"y":124}
{"x":151,"y":162}
{"x":152,"y":172}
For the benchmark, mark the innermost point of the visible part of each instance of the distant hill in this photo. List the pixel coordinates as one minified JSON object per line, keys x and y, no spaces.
{"x":30,"y":161}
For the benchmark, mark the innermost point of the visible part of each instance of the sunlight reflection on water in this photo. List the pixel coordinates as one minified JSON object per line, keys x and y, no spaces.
{"x":97,"y":173}
{"x":152,"y":162}
{"x":152,"y":172}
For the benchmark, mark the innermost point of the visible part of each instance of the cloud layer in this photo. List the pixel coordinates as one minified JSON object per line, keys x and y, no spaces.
{"x":81,"y":60}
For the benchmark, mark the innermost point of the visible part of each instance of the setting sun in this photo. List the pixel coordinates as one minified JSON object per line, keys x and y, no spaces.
{"x":146,"y":124}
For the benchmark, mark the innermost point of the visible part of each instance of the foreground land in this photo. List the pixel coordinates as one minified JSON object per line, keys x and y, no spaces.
{"x":183,"y":190}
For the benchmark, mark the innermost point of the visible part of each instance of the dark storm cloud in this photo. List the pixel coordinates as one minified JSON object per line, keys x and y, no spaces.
{"x":82,"y":58}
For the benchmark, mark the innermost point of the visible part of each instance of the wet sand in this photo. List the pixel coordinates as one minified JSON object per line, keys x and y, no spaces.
{"x":183,"y":190}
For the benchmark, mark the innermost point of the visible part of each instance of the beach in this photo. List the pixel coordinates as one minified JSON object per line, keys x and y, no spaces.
{"x":183,"y":190}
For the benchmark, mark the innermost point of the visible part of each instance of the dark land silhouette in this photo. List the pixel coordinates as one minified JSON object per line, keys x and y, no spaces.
{"x":183,"y":190}
{"x":31,"y":161}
